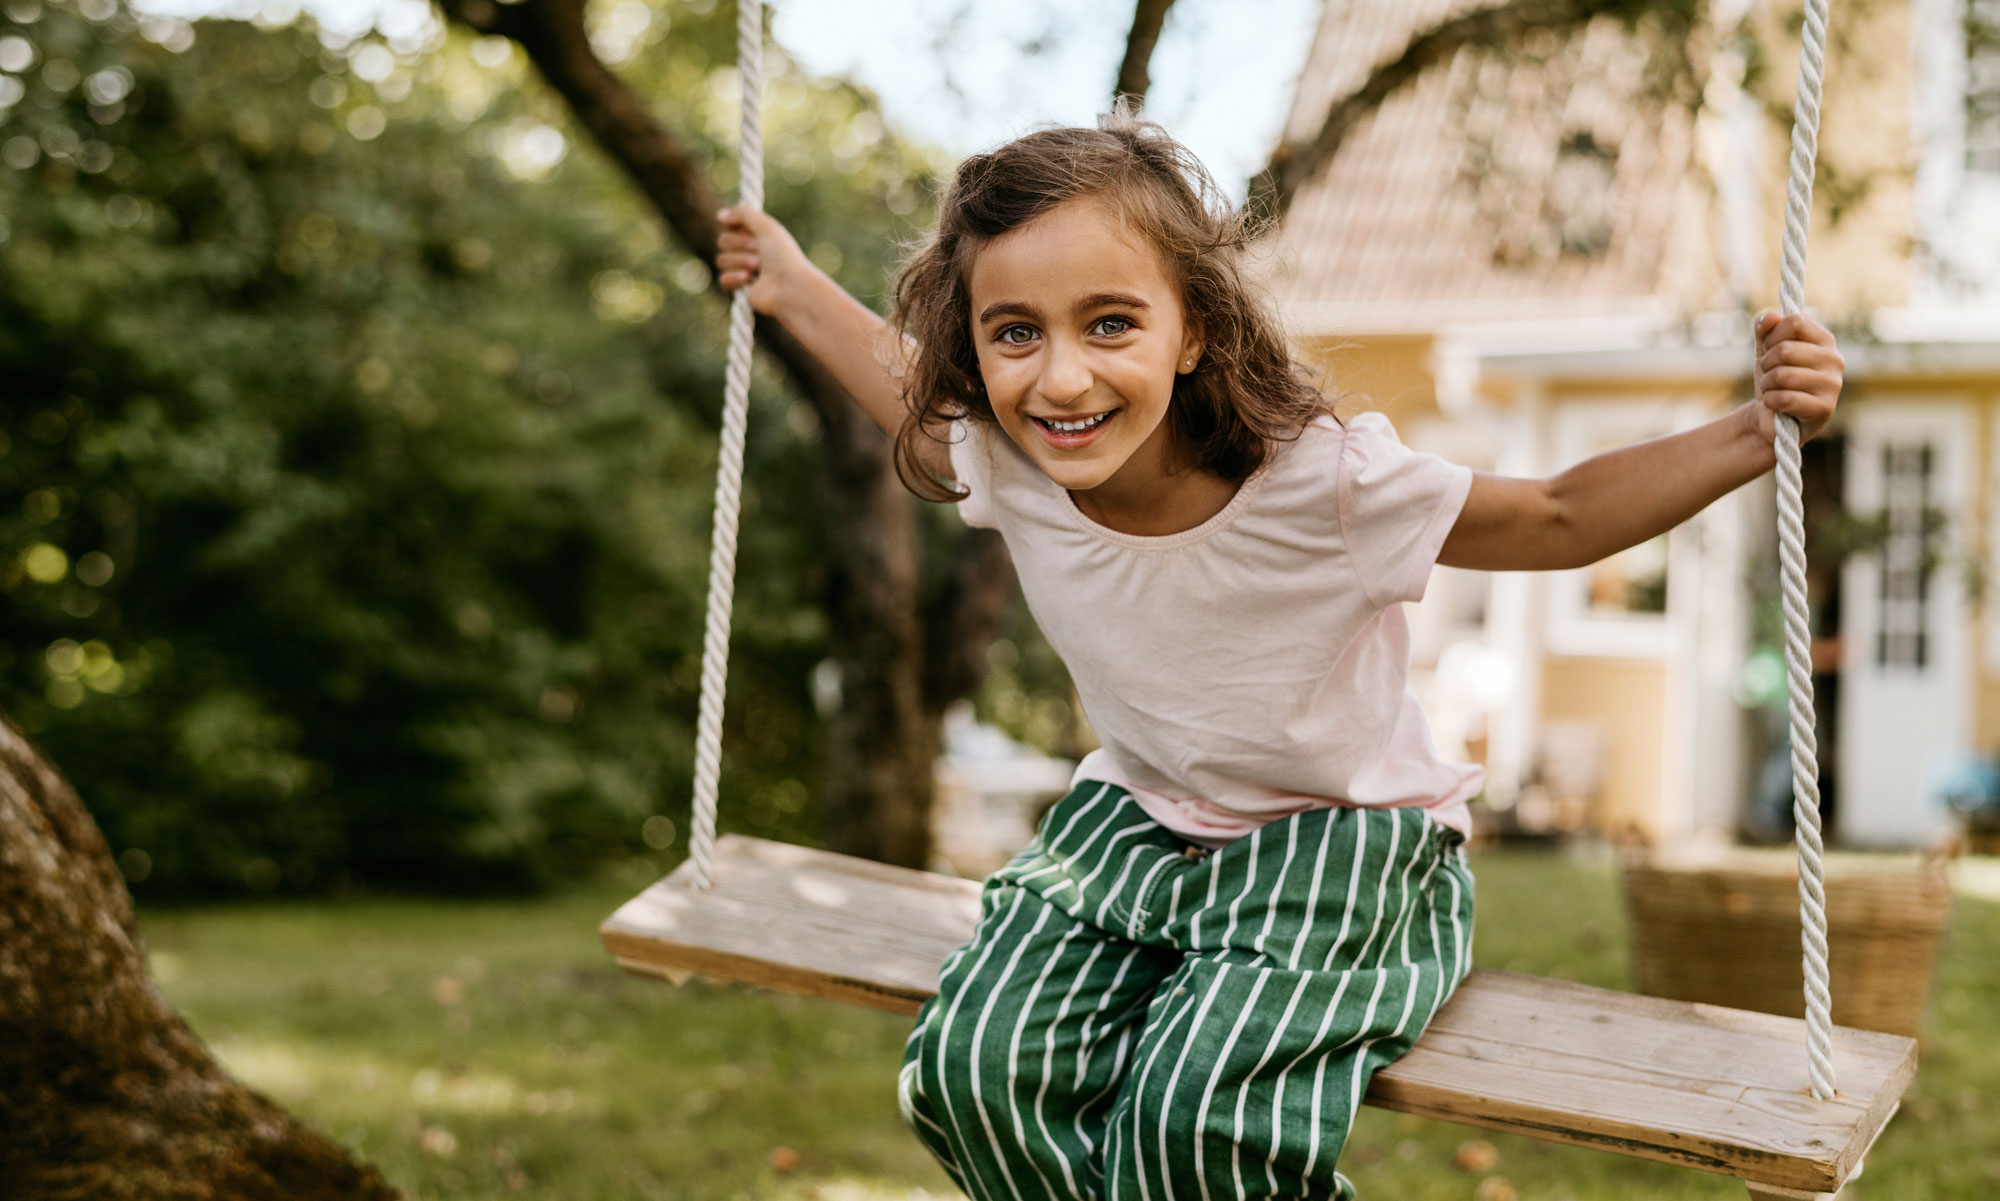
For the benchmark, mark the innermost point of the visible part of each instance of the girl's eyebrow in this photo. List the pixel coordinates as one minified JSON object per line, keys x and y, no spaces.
{"x":1112,"y":300}
{"x":1100,"y":300}
{"x":1008,"y":308}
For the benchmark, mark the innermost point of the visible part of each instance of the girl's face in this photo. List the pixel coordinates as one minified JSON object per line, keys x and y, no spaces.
{"x":1080,"y":334}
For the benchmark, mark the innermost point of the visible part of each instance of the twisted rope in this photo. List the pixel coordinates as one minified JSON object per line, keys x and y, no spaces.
{"x":729,"y":470}
{"x":1792,"y":560}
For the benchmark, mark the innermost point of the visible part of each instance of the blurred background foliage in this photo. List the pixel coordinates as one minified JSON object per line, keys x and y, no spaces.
{"x":357,"y":445}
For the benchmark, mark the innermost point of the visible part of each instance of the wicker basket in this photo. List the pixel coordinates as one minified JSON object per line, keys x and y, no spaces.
{"x":1723,"y":927}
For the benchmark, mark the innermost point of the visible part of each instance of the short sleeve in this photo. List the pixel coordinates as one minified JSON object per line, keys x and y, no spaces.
{"x":1396,"y":507}
{"x":971,"y":466}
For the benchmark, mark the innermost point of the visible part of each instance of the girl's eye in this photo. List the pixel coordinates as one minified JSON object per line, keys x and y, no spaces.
{"x":1016,"y":335}
{"x":1111,"y":327}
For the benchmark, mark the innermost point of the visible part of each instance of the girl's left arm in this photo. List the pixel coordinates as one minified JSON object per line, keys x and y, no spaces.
{"x":1626,"y":496}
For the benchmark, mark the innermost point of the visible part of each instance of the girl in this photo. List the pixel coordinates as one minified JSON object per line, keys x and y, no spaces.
{"x":1256,"y":893}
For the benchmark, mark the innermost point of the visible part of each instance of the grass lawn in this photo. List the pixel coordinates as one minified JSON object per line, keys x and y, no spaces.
{"x":490,"y":1049}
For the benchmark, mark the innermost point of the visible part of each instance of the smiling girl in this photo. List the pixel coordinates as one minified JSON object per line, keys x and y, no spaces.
{"x":1256,"y":892}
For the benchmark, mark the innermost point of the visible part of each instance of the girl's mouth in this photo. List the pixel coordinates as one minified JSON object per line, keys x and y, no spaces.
{"x":1068,"y":435}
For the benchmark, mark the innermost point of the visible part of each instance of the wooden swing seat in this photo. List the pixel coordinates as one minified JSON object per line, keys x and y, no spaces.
{"x":1718,"y":1089}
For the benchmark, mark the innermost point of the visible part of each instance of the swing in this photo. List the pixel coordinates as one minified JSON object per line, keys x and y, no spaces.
{"x":1711,"y":1088}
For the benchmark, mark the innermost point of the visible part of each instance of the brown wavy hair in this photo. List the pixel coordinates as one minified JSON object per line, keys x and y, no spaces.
{"x":1244,"y":394}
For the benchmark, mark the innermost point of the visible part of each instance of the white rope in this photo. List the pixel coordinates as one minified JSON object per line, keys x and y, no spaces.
{"x":729,"y":471}
{"x":1792,"y":558}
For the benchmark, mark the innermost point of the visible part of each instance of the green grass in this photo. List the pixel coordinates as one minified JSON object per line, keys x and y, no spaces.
{"x":491,"y":1050}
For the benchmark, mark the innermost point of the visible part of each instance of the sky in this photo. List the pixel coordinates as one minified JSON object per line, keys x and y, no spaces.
{"x":965,"y":75}
{"x":1221,"y":81}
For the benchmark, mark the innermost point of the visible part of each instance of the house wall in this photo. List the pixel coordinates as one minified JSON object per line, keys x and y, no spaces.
{"x":1627,"y":700}
{"x":1863,"y":214}
{"x":1657,"y":687}
{"x":1390,"y":374}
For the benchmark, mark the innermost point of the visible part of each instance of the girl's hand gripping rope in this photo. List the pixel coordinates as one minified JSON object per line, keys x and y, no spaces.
{"x":756,"y":251}
{"x":1798,"y":372}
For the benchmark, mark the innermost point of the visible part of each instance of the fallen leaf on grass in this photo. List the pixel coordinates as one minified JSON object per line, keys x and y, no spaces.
{"x":1494,"y":1188}
{"x":1476,"y":1155}
{"x":439,"y":1142}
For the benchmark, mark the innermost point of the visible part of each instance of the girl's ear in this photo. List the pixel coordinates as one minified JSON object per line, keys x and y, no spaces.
{"x":1191,"y":349}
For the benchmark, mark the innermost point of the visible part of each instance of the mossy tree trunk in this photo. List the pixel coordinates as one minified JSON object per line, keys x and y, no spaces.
{"x":105,"y":1093}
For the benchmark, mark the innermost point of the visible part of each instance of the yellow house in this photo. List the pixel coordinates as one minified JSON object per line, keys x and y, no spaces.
{"x":1526,"y":257}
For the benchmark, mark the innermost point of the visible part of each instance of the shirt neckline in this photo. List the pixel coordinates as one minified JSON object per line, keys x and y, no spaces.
{"x":1220,"y":520}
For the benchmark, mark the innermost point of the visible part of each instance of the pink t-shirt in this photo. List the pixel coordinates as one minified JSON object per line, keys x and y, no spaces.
{"x":1257,"y":665}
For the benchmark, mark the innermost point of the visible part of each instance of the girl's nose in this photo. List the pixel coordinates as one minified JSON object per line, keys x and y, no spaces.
{"x":1065,"y":376}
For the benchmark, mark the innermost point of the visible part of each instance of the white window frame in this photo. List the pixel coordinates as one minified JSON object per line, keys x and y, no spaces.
{"x":1579,"y":427}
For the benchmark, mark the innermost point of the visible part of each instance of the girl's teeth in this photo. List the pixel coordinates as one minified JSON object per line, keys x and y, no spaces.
{"x":1071,"y":427}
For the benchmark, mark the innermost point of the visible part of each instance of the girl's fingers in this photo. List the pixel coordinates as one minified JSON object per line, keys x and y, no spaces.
{"x":1800,"y":354}
{"x":1810,"y":411}
{"x":749,"y":219}
{"x":1774,"y":330}
{"x":1796,"y":328}
{"x":1766,"y":324}
{"x":1798,"y":379}
{"x":1798,"y":368}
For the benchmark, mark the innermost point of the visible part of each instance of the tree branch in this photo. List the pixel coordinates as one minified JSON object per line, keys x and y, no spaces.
{"x":1295,"y":163}
{"x":1134,"y":74}
{"x":552,"y":34}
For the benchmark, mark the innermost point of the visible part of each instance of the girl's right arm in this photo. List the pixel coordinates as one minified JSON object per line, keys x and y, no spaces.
{"x":849,"y":338}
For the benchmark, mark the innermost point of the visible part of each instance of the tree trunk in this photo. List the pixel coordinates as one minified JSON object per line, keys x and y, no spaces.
{"x":877,"y":790}
{"x":105,"y":1094}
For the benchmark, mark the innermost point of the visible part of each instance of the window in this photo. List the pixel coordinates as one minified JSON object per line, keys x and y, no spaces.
{"x":1631,"y":581}
{"x":1906,"y":555}
{"x":1627,"y":604}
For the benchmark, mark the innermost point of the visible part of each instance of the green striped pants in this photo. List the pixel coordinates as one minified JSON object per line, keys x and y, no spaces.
{"x":1139,"y":1019}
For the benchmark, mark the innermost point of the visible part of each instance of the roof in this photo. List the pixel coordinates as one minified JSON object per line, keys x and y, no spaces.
{"x":1541,"y":184}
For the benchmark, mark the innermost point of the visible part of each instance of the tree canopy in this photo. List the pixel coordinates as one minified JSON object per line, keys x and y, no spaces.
{"x":355,"y":466}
